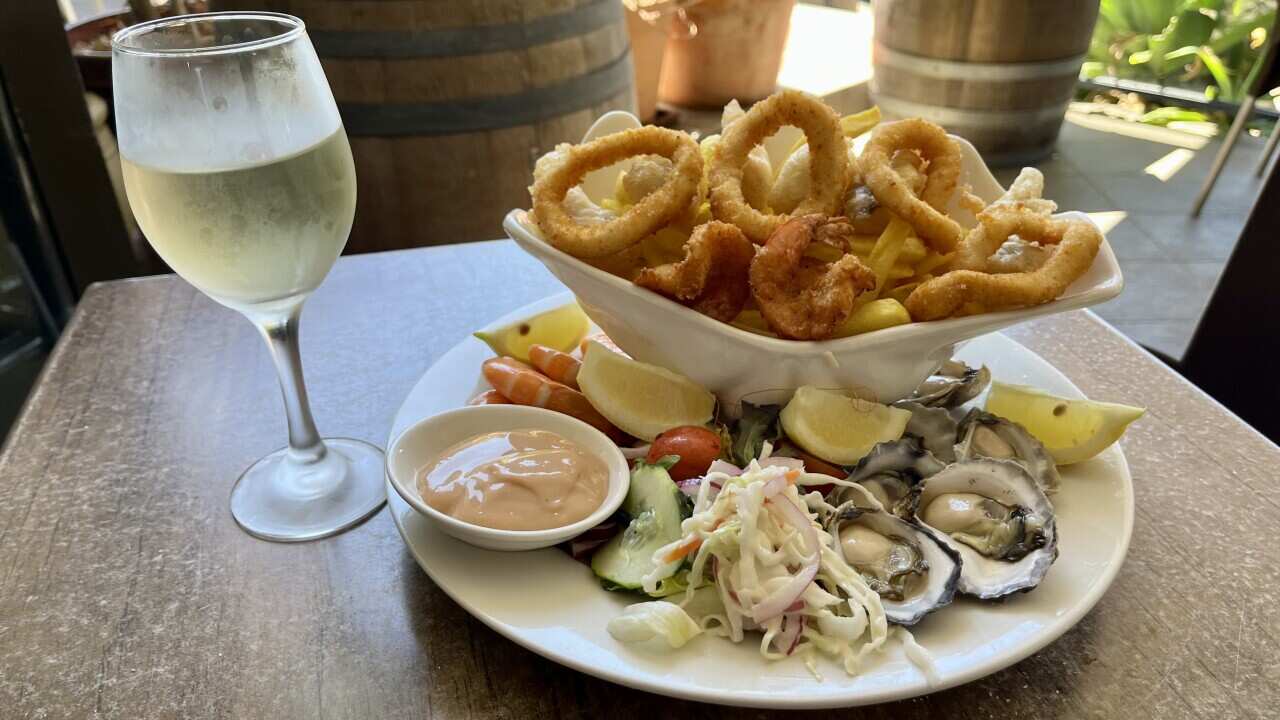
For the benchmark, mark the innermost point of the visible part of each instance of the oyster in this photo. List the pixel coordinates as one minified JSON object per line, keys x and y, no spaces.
{"x":983,"y":435}
{"x":995,"y":516}
{"x":890,"y":471}
{"x":914,"y":572}
{"x":952,"y":385}
{"x":934,"y":426}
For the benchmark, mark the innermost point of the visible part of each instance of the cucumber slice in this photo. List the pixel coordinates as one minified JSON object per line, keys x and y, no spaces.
{"x":656,"y":507}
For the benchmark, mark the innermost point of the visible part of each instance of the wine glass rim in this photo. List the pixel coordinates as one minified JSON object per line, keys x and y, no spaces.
{"x":120,"y":40}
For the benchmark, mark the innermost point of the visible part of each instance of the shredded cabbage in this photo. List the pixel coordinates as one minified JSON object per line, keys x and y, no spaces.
{"x":762,"y":566}
{"x":656,"y":619}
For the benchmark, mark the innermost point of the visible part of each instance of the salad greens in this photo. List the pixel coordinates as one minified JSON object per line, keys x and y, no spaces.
{"x":758,"y":425}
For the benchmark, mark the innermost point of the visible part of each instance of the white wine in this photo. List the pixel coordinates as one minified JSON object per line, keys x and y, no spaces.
{"x":256,"y":238}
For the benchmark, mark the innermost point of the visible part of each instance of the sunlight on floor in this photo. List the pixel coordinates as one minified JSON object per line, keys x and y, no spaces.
{"x":1107,"y":220}
{"x":1169,"y":165}
{"x":1138,"y":131}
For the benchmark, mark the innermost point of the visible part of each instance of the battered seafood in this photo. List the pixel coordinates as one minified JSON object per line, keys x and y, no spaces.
{"x":924,"y":213}
{"x":646,"y":175}
{"x":712,"y":276}
{"x":971,"y":288}
{"x":828,"y":167}
{"x":803,"y":298}
{"x":866,"y":213}
{"x":646,"y":216}
{"x":874,"y":245}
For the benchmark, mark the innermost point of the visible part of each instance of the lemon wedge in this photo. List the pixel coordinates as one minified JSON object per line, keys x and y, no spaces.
{"x":641,"y":399}
{"x":562,"y":328}
{"x":838,"y":428}
{"x":1072,"y":430}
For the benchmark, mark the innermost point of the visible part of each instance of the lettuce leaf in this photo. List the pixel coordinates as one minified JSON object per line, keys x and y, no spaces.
{"x":657,"y":619}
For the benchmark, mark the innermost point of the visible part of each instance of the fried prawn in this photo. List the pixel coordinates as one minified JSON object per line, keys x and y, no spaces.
{"x":802,"y":298}
{"x":712,"y":276}
{"x":828,"y":166}
{"x":925,"y":213}
{"x":971,"y":287}
{"x":649,"y":214}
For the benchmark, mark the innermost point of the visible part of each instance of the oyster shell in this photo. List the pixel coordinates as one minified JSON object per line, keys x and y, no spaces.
{"x":890,"y":471}
{"x":913,"y":571}
{"x":952,"y":385}
{"x":934,"y":426}
{"x":995,"y":516}
{"x":983,"y":435}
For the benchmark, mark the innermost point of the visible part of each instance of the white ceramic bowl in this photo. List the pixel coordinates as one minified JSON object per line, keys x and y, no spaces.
{"x":887,"y":364}
{"x":424,"y":441}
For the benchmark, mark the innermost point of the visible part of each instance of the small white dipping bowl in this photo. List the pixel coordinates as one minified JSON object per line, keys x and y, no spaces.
{"x":424,"y":441}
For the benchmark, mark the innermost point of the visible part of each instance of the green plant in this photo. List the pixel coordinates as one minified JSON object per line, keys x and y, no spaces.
{"x":1213,"y":44}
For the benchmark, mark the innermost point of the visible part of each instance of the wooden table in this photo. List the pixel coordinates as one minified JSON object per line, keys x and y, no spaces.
{"x":126,"y":591}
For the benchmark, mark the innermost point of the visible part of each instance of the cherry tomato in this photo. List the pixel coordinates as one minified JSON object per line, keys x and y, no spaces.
{"x":697,"y":447}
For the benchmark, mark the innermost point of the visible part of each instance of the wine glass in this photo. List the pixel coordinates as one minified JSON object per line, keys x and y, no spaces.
{"x":239,"y":172}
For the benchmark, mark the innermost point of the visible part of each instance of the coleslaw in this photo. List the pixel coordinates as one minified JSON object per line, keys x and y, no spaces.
{"x":756,"y":558}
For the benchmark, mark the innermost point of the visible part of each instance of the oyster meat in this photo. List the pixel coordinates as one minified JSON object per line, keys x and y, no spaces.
{"x":914,"y":572}
{"x":996,"y":517}
{"x":983,"y":435}
{"x":890,"y":471}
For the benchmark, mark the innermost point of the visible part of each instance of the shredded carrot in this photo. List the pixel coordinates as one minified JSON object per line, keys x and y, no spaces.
{"x":683,"y":550}
{"x":792,"y":476}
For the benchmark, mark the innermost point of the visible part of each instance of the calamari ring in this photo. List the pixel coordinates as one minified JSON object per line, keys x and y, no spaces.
{"x":868,"y":216}
{"x":712,"y":276}
{"x":828,"y":166}
{"x":970,"y":289}
{"x":791,"y":186}
{"x":925,"y":213}
{"x":801,"y":298}
{"x":648,"y":215}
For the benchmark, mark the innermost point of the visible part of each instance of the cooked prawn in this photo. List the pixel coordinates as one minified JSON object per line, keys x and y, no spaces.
{"x":802,"y":298}
{"x":523,"y":385}
{"x":559,"y":366}
{"x":712,"y":276}
{"x":489,"y":397}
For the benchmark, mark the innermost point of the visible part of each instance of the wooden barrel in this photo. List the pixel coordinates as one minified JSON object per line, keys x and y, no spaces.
{"x":999,"y":73}
{"x":448,"y":103}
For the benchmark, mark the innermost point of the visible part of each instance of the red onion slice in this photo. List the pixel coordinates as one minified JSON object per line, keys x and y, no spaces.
{"x":773,"y":486}
{"x":722,"y":466}
{"x":788,"y":637}
{"x":799,"y":631}
{"x":789,"y":463}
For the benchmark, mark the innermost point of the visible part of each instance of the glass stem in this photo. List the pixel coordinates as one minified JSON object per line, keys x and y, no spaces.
{"x":281,"y":333}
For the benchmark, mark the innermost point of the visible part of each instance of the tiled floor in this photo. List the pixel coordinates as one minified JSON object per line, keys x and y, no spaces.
{"x":1171,"y":261}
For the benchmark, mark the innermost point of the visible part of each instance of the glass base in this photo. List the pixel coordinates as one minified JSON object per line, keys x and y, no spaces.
{"x":282,"y":500}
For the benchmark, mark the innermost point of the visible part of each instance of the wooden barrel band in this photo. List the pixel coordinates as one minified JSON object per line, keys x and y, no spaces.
{"x":989,"y":72}
{"x":469,"y":40}
{"x":494,"y":112}
{"x":947,"y":116}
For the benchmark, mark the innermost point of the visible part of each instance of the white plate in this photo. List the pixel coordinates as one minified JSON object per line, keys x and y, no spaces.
{"x":552,"y":605}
